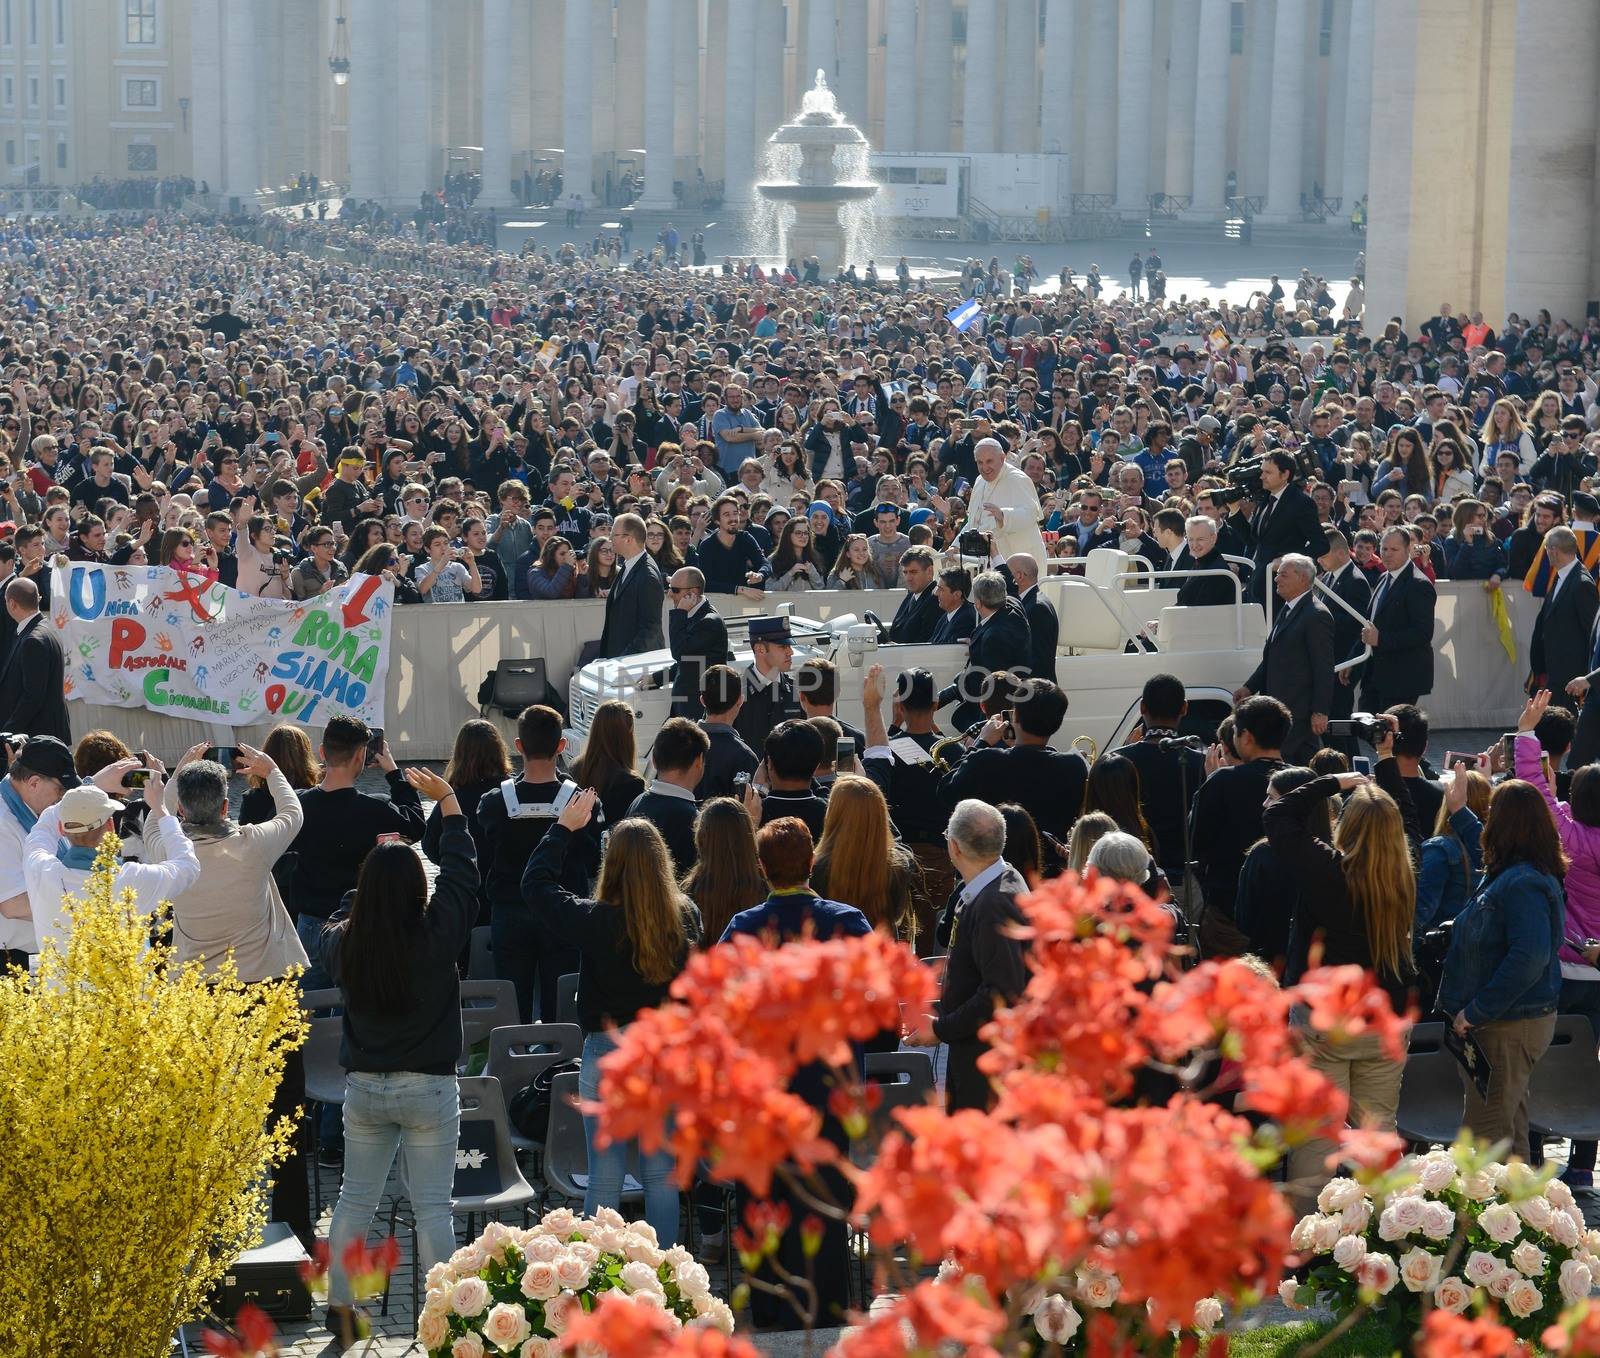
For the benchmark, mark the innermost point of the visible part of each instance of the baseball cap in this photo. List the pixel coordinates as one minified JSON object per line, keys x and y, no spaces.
{"x":1209,"y":423}
{"x":86,"y":808}
{"x":45,"y":756}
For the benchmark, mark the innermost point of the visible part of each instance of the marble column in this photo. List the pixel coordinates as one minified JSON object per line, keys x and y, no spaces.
{"x":239,"y":130}
{"x":577,"y":92}
{"x":205,"y":92}
{"x":366,"y":94}
{"x":1358,"y":104}
{"x":934,"y":76}
{"x":983,"y":53}
{"x":495,"y":92}
{"x":1133,"y":107}
{"x":1334,"y":117}
{"x":413,"y":122}
{"x":686,"y":87}
{"x":1055,"y":96}
{"x":1100,"y":100}
{"x":1182,"y":78}
{"x":1252,"y":159}
{"x":1551,"y":191}
{"x":1286,"y":127}
{"x":822,"y":47}
{"x":739,"y":107}
{"x":900,"y":78}
{"x":852,"y":60}
{"x":772,"y":107}
{"x":659,"y":98}
{"x":1210,"y":178}
{"x":1019,"y":107}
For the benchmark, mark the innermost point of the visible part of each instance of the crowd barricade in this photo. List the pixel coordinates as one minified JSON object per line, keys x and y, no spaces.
{"x":443,"y":652}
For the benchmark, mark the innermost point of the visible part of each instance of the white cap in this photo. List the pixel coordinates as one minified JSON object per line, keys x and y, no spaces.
{"x":86,"y":808}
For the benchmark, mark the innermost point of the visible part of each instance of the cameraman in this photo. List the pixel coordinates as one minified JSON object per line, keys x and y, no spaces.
{"x":1286,"y":520}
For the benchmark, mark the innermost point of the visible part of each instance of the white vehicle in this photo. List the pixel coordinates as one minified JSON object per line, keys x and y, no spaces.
{"x":1118,"y":628}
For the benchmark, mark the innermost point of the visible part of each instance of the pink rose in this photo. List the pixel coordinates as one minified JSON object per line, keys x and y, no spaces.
{"x":1564,"y":1230}
{"x":545,"y":1248}
{"x":1576,"y":1280}
{"x":1057,"y":1319}
{"x":571,"y":1271}
{"x":1337,"y":1194}
{"x":1289,"y":1294}
{"x":1528,"y":1259}
{"x":1207,"y":1314}
{"x":1377,"y":1273}
{"x":506,"y":1326}
{"x":1536,"y":1212}
{"x":469,"y":1297}
{"x":1099,"y":1290}
{"x":1349,"y":1252}
{"x":1481,"y":1269}
{"x":558,"y":1313}
{"x":1452,"y":1295}
{"x":1524,"y":1298}
{"x":539,"y":1281}
{"x":1438,"y":1221}
{"x":1436,"y":1171}
{"x":1500,"y":1285}
{"x":561,"y":1222}
{"x":1419,"y":1270}
{"x":432,"y":1330}
{"x":1353,"y":1220}
{"x":536,"y":1347}
{"x":468,"y":1346}
{"x":1500,"y":1223}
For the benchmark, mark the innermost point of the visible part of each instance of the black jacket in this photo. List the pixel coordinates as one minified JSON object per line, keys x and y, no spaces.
{"x":1206,"y":591}
{"x":1297,"y":669}
{"x":1168,"y":781}
{"x":985,"y":966}
{"x":1225,"y":822}
{"x":674,"y":817}
{"x":1289,"y":526}
{"x":1353,"y":587}
{"x":916,"y":618}
{"x":338,"y":833}
{"x":727,"y":757}
{"x":1561,"y":631}
{"x":765,"y":706}
{"x":33,"y":698}
{"x":698,"y":641}
{"x":806,"y":806}
{"x":1401,"y":667}
{"x":633,"y":611}
{"x":1044,"y":630}
{"x":1048,"y":784}
{"x":952,"y":627}
{"x":999,"y":642}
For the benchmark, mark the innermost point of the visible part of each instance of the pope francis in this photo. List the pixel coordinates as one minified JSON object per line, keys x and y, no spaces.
{"x":1005,"y":504}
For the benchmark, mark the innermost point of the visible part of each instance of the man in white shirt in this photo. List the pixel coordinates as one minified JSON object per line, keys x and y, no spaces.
{"x":1005,"y":504}
{"x":60,"y":852}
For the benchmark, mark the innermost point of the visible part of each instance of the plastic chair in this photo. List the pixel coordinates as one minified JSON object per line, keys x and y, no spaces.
{"x":1563,"y":1096}
{"x":485,"y":1006}
{"x":1431,"y":1094}
{"x":480,"y":965}
{"x":519,"y":1053}
{"x":566,"y":1151}
{"x":514,"y":685}
{"x":905,"y":1079}
{"x":324,"y":1011}
{"x":567,"y":998}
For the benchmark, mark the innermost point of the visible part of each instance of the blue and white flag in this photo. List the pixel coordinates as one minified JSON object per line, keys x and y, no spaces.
{"x":963,"y":317}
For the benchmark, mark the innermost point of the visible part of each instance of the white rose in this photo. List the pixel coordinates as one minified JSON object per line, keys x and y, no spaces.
{"x":1325,"y":1234}
{"x":1301,"y":1237}
{"x":1408,"y":1207}
{"x":692,"y":1278}
{"x":558,"y":1313}
{"x":467,"y":1346}
{"x":643,"y":1252}
{"x":1481,"y":1269}
{"x":1524,"y":1298}
{"x":1479,"y":1186}
{"x":1353,"y":1220}
{"x":1399,"y":1219}
{"x":494,"y":1240}
{"x":539,"y":1281}
{"x":466,"y":1260}
{"x":1528,"y":1259}
{"x":637,"y":1277}
{"x":1564,"y":1230}
{"x":536,"y":1346}
{"x":677,"y":1256}
{"x":586,"y":1251}
{"x":1099,"y":1290}
{"x":1207,"y":1314}
{"x":1289,"y":1294}
{"x":432,"y":1330}
{"x":1377,"y":1273}
{"x":1576,"y":1281}
{"x":645,"y":1297}
{"x":1337,"y":1194}
{"x":1349,"y":1252}
{"x":1536,"y":1212}
{"x":1436,"y":1171}
{"x":1452,"y":1295}
{"x":608,"y":1239}
{"x":1420,"y":1270}
{"x":571,"y":1271}
{"x":439,"y":1277}
{"x":1500,"y":1284}
{"x":609,"y":1216}
{"x":561,"y":1222}
{"x":506,"y":1326}
{"x":1559,"y":1195}
{"x":1057,"y":1320}
{"x":469,"y":1297}
{"x":1438,"y":1221}
{"x":719,"y":1316}
{"x":1500,"y":1223}
{"x":545,"y":1248}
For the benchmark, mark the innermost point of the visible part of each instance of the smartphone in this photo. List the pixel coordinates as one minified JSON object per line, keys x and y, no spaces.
{"x":1361,"y":764}
{"x":741,"y":781}
{"x":221,"y":754}
{"x":389,"y":837}
{"x":844,"y":749}
{"x":375,"y":744}
{"x":135,"y":779}
{"x":1508,"y":746}
{"x":1454,"y":757}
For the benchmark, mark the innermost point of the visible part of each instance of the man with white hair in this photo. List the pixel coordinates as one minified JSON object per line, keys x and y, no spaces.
{"x":1205,"y":554}
{"x":1297,"y":662}
{"x":60,"y":850}
{"x":1121,"y":857}
{"x":986,"y":964}
{"x":1000,"y":641}
{"x":1004,"y":503}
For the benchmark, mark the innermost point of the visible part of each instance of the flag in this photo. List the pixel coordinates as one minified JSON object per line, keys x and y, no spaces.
{"x":1537,"y":580}
{"x":963,"y":317}
{"x":1502,"y":622}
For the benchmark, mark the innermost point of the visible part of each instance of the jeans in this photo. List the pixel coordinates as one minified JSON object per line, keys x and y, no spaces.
{"x":608,"y":1167}
{"x":383,"y":1114}
{"x":330,"y":1127}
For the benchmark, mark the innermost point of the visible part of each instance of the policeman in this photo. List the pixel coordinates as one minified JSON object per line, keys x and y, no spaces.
{"x":769,"y":692}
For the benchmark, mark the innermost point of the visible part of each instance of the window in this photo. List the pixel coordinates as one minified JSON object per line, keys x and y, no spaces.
{"x":141,"y":22}
{"x":140,"y":94}
{"x":11,"y":153}
{"x":1236,"y":27}
{"x":33,"y":91}
{"x":1325,"y":29}
{"x":33,"y":23}
{"x":8,"y":92}
{"x":61,"y":91}
{"x":61,"y":155}
{"x":60,"y":33}
{"x":141,"y":157}
{"x":5,"y":22}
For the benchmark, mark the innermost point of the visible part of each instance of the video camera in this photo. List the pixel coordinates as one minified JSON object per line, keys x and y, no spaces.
{"x":1362,"y":725}
{"x":1244,"y":482}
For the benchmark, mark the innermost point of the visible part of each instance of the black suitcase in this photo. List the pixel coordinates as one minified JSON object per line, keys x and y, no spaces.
{"x":268,"y":1276}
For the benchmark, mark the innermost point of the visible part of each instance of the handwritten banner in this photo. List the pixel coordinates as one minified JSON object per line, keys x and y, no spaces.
{"x":175,"y":642}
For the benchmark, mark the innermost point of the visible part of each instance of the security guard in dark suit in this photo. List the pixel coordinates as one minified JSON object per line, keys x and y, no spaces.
{"x":1346,"y":580}
{"x":1001,"y":641}
{"x":698,"y":638}
{"x":919,"y":612}
{"x":769,"y":693}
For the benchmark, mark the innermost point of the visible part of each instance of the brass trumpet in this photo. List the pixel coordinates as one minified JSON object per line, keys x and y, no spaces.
{"x":1085,"y":746}
{"x":937,"y":761}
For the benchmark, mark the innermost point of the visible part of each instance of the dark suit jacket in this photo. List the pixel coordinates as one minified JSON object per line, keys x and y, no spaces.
{"x":916,"y":618}
{"x":957,"y":626}
{"x":32,"y":699}
{"x":1297,"y":669}
{"x":727,"y":757}
{"x":1044,"y":630}
{"x":1206,"y":591}
{"x":985,"y":965}
{"x":1353,"y":587}
{"x":698,"y":641}
{"x":1401,"y":668}
{"x":1292,"y":526}
{"x":1000,"y":642}
{"x":1048,"y":784}
{"x":674,"y":817}
{"x":1168,"y":780}
{"x":1560,"y":649}
{"x":633,"y":611}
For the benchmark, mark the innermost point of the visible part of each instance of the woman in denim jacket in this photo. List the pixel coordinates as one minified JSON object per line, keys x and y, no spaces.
{"x":1451,"y":860}
{"x":1502,"y":976}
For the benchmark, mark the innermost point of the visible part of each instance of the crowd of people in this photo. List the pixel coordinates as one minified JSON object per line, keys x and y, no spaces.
{"x":488,"y":430}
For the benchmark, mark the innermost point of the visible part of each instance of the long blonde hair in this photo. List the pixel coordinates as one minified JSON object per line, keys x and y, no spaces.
{"x":855,"y":857}
{"x":1371,"y":837}
{"x":636,"y":878}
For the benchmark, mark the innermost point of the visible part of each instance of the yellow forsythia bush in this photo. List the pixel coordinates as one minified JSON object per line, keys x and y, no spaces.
{"x":134,"y":1137}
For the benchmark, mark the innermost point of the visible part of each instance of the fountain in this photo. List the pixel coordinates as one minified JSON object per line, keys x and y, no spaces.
{"x":817,"y":180}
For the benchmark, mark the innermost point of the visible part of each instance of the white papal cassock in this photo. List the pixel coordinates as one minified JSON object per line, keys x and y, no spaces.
{"x":1016,"y":496}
